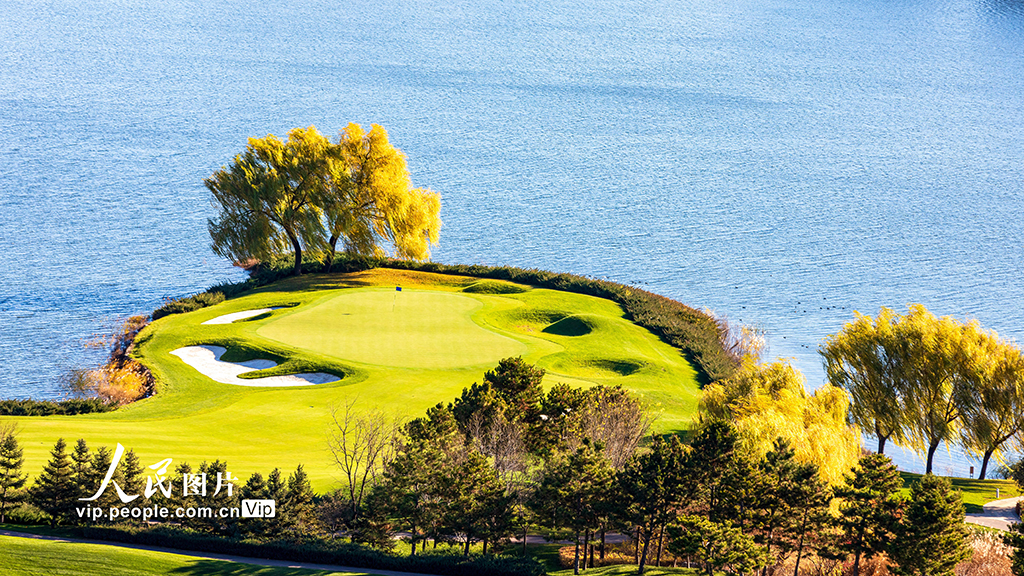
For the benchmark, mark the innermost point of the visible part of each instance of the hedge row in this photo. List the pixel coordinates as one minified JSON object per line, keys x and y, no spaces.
{"x":188,"y":303}
{"x":318,"y":550}
{"x":54,"y":408}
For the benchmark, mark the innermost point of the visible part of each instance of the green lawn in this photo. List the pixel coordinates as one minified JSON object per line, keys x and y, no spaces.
{"x":400,"y":351}
{"x":975,"y":492}
{"x":25,"y":556}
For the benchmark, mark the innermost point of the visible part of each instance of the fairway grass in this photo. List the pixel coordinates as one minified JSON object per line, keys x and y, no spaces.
{"x":26,"y":556}
{"x":402,"y":352}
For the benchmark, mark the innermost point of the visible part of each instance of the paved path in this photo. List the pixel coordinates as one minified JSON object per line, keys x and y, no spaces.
{"x":998,"y":514}
{"x":209,"y":556}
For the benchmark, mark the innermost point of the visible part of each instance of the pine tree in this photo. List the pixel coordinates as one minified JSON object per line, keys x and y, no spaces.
{"x":719,"y":546}
{"x":254,"y":489}
{"x":82,"y":468}
{"x":569,"y":496}
{"x":55,"y":491}
{"x":1014,"y":538}
{"x":869,"y":510}
{"x":11,"y":478}
{"x":931,"y":537}
{"x":299,"y":512}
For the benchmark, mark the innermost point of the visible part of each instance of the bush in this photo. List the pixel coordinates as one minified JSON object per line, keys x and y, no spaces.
{"x":52,"y":408}
{"x":27,"y":515}
{"x":188,"y":303}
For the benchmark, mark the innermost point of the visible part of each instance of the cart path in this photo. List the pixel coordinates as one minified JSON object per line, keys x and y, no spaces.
{"x":998,"y":514}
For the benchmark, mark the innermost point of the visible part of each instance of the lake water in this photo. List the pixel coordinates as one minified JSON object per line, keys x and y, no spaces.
{"x":782,"y":162}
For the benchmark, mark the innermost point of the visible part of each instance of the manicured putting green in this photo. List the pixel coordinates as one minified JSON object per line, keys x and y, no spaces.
{"x":402,"y":329}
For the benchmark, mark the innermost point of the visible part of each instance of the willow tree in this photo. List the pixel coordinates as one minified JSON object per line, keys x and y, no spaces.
{"x":269,"y":197}
{"x":861,"y":359}
{"x":992,"y":401}
{"x":768,"y":401}
{"x":936,"y":356}
{"x":371,"y":201}
{"x":307,"y":194}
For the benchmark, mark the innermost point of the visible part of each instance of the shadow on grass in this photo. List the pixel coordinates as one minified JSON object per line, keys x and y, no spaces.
{"x":225,"y":568}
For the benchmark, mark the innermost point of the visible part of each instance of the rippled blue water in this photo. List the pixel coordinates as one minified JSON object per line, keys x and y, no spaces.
{"x":783,"y":162}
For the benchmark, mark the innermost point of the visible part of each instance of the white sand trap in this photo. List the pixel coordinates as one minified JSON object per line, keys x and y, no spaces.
{"x":206,"y":359}
{"x":229,"y":318}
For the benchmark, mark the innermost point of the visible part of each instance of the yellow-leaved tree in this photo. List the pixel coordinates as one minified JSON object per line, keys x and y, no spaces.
{"x":768,"y":401}
{"x":307,"y":194}
{"x":372,"y":202}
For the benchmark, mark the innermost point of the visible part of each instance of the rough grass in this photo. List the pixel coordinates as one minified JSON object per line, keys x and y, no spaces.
{"x":48,"y":557}
{"x":193,"y":419}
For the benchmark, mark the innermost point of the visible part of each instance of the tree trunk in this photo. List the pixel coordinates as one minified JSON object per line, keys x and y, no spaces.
{"x":984,"y":464}
{"x":931,"y":456}
{"x":330,"y":255}
{"x":661,"y":542}
{"x":643,"y":555}
{"x":636,"y":547}
{"x":297,"y":271}
{"x":586,"y":547}
{"x":856,"y":564}
{"x":576,"y":560}
{"x":413,"y":541}
{"x":799,"y":551}
{"x":466,"y":552}
{"x":604,"y":531}
{"x":485,"y":546}
{"x":882,"y":439}
{"x":524,"y":540}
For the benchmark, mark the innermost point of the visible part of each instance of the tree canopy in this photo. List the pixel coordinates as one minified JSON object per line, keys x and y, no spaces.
{"x":922,"y":380}
{"x":308,"y":194}
{"x":768,"y":401}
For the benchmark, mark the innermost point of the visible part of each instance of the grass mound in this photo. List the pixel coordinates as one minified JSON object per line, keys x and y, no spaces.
{"x":494,"y":287}
{"x":571,"y":326}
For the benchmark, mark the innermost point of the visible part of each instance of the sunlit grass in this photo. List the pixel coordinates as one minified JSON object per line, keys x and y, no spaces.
{"x":25,"y":556}
{"x":192,"y":418}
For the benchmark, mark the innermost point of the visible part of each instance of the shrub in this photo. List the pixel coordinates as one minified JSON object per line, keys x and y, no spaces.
{"x":991,"y":556}
{"x":51,"y":408}
{"x":188,"y":303}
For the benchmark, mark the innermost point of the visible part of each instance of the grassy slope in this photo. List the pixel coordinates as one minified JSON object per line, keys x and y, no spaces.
{"x":975,"y":492}
{"x":28,"y":556}
{"x":257,"y":429}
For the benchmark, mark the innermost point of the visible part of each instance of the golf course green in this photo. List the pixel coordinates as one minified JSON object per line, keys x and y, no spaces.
{"x":397,"y":350}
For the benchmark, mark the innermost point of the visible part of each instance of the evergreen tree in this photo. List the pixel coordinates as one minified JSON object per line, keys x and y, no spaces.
{"x":98,"y":466}
{"x":1014,"y":538}
{"x":55,"y":491}
{"x":11,"y":478}
{"x":869,"y":507}
{"x":254,"y":489}
{"x":569,"y":496}
{"x":931,"y":537}
{"x":812,"y":517}
{"x":82,"y":468}
{"x":298,"y":510}
{"x":718,"y":546}
{"x":129,"y":474}
{"x":475,"y":506}
{"x":220,"y":494}
{"x":651,"y":485}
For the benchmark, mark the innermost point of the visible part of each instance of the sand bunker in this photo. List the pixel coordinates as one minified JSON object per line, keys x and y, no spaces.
{"x":229,"y":318}
{"x":206,"y":359}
